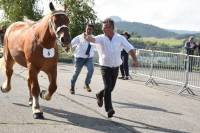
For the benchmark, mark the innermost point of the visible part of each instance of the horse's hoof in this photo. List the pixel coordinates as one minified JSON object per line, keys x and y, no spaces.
{"x":3,"y":90}
{"x":42,"y":94}
{"x":38,"y":115}
{"x":30,"y":101}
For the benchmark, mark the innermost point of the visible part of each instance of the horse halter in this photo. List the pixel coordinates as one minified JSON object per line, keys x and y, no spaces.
{"x":52,"y":25}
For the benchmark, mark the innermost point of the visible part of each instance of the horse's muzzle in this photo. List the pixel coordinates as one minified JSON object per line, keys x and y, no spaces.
{"x":66,"y":47}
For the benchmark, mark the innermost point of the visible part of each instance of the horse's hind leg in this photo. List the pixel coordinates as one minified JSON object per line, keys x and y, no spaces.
{"x":52,"y":75}
{"x":9,"y":62}
{"x":30,"y":102}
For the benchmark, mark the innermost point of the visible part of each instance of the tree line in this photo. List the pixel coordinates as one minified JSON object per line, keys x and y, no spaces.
{"x":80,"y":12}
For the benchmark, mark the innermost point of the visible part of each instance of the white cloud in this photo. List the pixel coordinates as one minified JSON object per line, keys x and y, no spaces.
{"x":172,"y":14}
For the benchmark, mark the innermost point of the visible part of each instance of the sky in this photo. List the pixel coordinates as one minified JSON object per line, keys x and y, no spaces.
{"x":168,"y":14}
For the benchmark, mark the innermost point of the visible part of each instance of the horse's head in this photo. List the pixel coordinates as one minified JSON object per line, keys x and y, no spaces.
{"x":59,"y":22}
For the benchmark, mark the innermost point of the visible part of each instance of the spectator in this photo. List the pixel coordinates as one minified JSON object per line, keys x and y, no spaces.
{"x":124,"y":68}
{"x":190,"y":46}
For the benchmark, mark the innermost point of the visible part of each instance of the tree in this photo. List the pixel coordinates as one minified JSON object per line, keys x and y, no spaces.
{"x":80,"y":13}
{"x":15,"y":10}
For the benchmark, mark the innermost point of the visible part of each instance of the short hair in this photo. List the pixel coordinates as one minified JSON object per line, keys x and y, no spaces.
{"x":127,"y":34}
{"x":90,"y":25}
{"x":191,"y":38}
{"x":110,"y":21}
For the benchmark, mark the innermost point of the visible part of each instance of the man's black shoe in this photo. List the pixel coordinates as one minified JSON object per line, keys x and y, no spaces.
{"x":121,"y":77}
{"x":87,"y":87}
{"x":111,"y":113}
{"x":126,"y":78}
{"x":99,"y":100}
{"x":72,"y":91}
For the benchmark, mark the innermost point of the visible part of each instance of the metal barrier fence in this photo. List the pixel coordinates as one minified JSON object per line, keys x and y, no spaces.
{"x":173,"y":67}
{"x":178,"y":68}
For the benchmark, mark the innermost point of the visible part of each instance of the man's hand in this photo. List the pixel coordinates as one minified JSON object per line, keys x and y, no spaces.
{"x":89,"y":38}
{"x":134,"y":58}
{"x":135,"y":63}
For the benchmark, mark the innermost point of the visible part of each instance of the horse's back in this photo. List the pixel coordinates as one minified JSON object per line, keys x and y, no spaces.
{"x":15,"y":27}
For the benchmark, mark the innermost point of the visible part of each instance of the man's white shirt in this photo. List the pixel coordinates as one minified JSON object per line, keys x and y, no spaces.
{"x":81,"y":46}
{"x":110,"y":50}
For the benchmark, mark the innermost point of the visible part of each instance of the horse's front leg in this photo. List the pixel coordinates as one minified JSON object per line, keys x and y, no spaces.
{"x":52,"y":75}
{"x":35,"y":91}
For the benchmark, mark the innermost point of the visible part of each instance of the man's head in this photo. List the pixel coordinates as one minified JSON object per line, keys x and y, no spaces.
{"x":108,"y":26}
{"x":191,"y":39}
{"x":89,"y":29}
{"x":110,"y":22}
{"x":126,"y":34}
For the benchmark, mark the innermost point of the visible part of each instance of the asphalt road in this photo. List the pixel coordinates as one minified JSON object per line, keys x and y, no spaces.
{"x":139,"y":108}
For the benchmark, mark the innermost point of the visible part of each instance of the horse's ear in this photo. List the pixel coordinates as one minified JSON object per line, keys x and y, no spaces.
{"x":51,"y":6}
{"x":65,"y":7}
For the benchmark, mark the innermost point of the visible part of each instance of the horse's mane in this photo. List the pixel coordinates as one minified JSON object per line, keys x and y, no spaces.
{"x":45,"y":18}
{"x":29,"y":21}
{"x":43,"y":23}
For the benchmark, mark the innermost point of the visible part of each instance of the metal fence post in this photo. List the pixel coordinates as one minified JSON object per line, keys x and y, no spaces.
{"x":151,"y":79}
{"x":186,"y":86}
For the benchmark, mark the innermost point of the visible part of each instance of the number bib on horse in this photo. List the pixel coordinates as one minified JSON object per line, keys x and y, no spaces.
{"x":48,"y":53}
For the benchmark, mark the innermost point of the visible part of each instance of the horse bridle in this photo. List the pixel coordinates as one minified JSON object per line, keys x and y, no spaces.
{"x":52,"y":25}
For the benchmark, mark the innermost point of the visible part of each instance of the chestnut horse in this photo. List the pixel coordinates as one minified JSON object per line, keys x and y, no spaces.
{"x":34,"y":45}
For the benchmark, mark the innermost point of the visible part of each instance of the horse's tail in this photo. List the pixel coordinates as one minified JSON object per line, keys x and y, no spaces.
{"x":2,"y":64}
{"x":3,"y":58}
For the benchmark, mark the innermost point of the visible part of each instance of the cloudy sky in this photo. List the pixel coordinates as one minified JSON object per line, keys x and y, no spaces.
{"x":170,"y":14}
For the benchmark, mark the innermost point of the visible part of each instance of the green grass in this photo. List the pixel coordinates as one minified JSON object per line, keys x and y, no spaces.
{"x":167,"y":41}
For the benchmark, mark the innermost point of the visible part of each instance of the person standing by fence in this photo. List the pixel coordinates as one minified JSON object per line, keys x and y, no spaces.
{"x":190,"y":46}
{"x":124,"y":68}
{"x":84,"y":53}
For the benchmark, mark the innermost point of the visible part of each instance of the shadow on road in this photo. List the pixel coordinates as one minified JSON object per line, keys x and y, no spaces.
{"x":98,"y":124}
{"x":151,"y":127}
{"x":137,"y":106}
{"x":103,"y":125}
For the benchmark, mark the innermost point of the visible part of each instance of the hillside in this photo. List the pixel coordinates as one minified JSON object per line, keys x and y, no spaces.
{"x":183,"y":31}
{"x":144,"y":30}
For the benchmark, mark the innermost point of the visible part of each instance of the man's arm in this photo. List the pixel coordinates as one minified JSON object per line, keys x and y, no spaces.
{"x":132,"y":52}
{"x":89,"y":38}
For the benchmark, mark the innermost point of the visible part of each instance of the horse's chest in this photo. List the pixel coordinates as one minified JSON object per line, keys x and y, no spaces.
{"x":45,"y":58}
{"x":44,"y":53}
